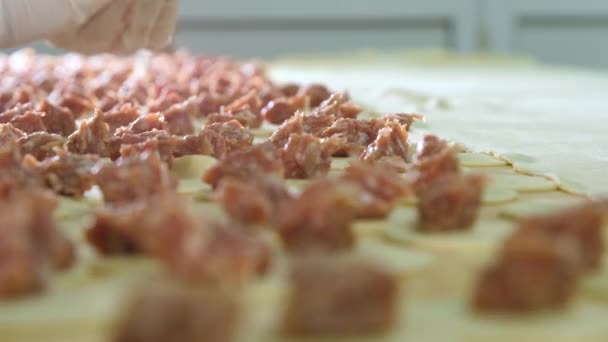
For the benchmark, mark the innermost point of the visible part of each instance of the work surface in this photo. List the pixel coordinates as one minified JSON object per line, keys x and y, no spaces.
{"x":545,"y":120}
{"x":501,"y":106}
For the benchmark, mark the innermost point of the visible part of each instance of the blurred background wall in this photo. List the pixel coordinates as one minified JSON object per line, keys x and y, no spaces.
{"x":570,"y":32}
{"x":554,"y":31}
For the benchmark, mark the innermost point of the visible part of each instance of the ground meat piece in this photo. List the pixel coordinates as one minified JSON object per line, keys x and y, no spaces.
{"x":147,"y":123}
{"x":77,"y":103}
{"x":29,"y":122}
{"x":5,"y":98}
{"x":337,"y":105}
{"x":391,"y":141}
{"x":250,"y":101}
{"x":179,"y":118}
{"x":122,"y":116}
{"x":314,"y":94}
{"x":57,"y":120}
{"x":278,"y":110}
{"x":451,"y":203}
{"x":433,"y":165}
{"x":246,"y":110}
{"x":291,"y":126}
{"x":339,"y":298}
{"x":205,"y":314}
{"x":245,"y":118}
{"x":155,"y":225}
{"x":164,"y":102}
{"x":164,"y":142}
{"x":44,"y":80}
{"x":21,"y":269}
{"x":289,"y":90}
{"x":244,"y":164}
{"x":300,"y":123}
{"x":133,"y":90}
{"x":394,"y":163}
{"x":110,"y":233}
{"x":405,"y":119}
{"x":208,"y":103}
{"x":193,"y":249}
{"x":349,"y":110}
{"x":199,"y":144}
{"x":217,"y":140}
{"x":135,"y":175}
{"x":16,"y":97}
{"x":431,"y":145}
{"x":30,"y":243}
{"x":10,"y":133}
{"x":108,"y":101}
{"x":217,"y":118}
{"x":18,"y":110}
{"x":58,"y":249}
{"x":315,"y":124}
{"x":67,"y":173}
{"x":40,"y":144}
{"x":219,"y":254}
{"x":384,"y":184}
{"x":268,"y":93}
{"x":530,"y":275}
{"x":372,"y":207}
{"x":14,"y":175}
{"x":358,"y":134}
{"x":254,"y":201}
{"x":581,"y":224}
{"x":320,"y":217}
{"x":303,"y":157}
{"x":234,"y":135}
{"x":93,"y":136}
{"x":332,"y":145}
{"x":243,"y":201}
{"x":274,"y":188}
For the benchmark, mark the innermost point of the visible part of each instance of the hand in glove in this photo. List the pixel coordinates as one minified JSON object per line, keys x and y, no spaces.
{"x":89,"y":26}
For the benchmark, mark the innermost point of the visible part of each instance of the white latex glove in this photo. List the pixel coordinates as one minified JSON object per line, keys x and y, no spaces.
{"x":25,"y":21}
{"x":89,"y":26}
{"x":124,"y":26}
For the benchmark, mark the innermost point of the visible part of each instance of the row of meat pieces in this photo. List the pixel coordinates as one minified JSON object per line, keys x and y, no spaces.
{"x":539,"y":265}
{"x":249,"y":186}
{"x":156,"y":83}
{"x":537,"y":269}
{"x":103,"y":136}
{"x":252,"y":262}
{"x":124,"y":89}
{"x":131,"y":177}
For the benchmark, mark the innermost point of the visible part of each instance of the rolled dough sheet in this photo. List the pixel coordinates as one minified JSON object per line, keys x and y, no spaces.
{"x":543,"y":120}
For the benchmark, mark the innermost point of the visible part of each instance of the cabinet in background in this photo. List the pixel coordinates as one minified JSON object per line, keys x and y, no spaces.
{"x":554,"y":31}
{"x":267,"y":28}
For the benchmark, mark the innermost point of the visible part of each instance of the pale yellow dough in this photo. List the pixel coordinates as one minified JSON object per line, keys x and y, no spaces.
{"x":338,"y":164}
{"x":476,"y":159}
{"x":537,"y":206}
{"x":523,"y":183}
{"x":402,"y":227}
{"x":400,"y":260}
{"x":540,"y":121}
{"x":192,"y":166}
{"x":81,"y":305}
{"x":497,"y":194}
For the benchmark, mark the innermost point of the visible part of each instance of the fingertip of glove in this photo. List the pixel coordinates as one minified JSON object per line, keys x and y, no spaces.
{"x":85,"y":9}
